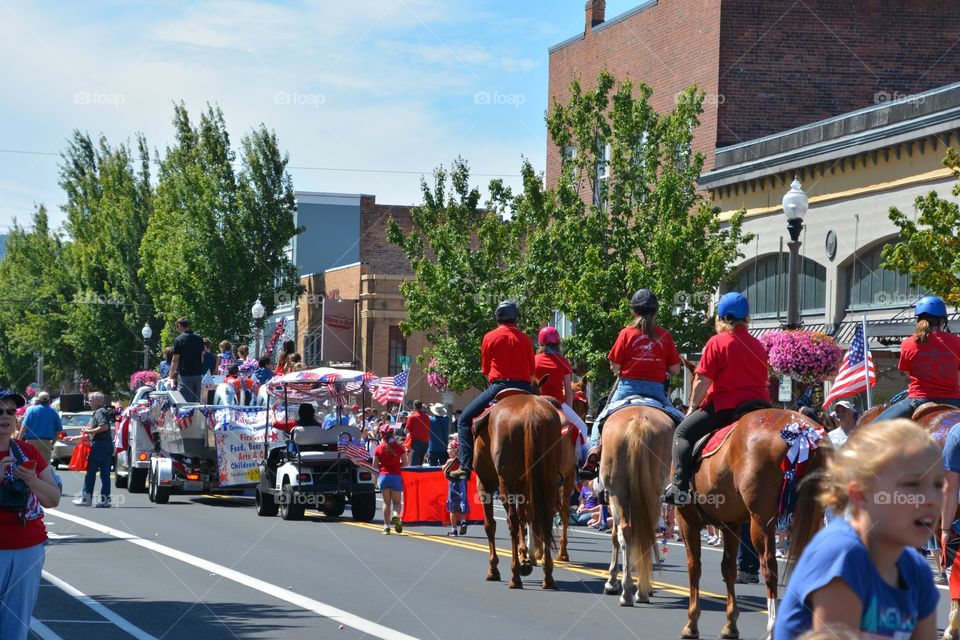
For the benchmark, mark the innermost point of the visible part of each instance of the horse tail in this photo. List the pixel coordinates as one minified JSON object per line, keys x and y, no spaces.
{"x":808,"y":516}
{"x":645,"y":476}
{"x":542,"y":470}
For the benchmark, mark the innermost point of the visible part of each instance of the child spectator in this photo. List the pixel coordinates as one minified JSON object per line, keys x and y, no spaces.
{"x":863,"y":571}
{"x":589,"y":505}
{"x":263,"y":372}
{"x":247,"y":364}
{"x":457,"y":505}
{"x":241,"y":383}
{"x":387,"y":458}
{"x":225,"y":358}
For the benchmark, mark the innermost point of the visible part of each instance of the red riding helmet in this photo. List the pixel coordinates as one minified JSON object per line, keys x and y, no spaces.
{"x":548,"y":335}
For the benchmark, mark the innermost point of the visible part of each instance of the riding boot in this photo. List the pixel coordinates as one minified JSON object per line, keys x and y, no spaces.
{"x":678,"y":492}
{"x":591,"y":465}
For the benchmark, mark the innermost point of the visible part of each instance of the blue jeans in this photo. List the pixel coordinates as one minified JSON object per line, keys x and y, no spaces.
{"x":101,"y":458}
{"x":627,"y":387}
{"x":474,"y":409}
{"x":19,"y":585}
{"x":747,"y":559}
{"x":419,"y":452}
{"x":906,"y":407}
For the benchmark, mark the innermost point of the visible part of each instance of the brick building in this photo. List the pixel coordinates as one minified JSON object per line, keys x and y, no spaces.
{"x":765,"y":65}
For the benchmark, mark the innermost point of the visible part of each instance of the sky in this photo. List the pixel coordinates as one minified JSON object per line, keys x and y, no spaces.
{"x":388,"y":89}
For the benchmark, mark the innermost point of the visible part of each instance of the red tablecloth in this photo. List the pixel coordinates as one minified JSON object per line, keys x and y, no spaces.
{"x":425,"y":497}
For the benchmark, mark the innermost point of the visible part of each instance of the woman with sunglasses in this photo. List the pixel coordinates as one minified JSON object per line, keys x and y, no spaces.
{"x":27,"y":485}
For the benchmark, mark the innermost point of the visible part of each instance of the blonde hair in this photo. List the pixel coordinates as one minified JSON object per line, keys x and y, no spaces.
{"x":867,"y":453}
{"x":645,"y":322}
{"x":225,"y":346}
{"x":725,"y":326}
{"x":926,"y":324}
{"x":243,"y":351}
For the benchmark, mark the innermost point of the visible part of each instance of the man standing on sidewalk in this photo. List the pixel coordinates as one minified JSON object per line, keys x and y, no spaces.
{"x":187,"y":365}
{"x":41,"y":424}
{"x":100,"y":432}
{"x":418,"y":428}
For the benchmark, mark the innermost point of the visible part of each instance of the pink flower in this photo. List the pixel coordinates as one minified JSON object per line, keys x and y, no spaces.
{"x":807,"y":356}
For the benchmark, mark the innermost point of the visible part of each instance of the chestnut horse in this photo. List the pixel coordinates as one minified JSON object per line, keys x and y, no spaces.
{"x":518,"y":454}
{"x":634,"y":467}
{"x":741,"y":482}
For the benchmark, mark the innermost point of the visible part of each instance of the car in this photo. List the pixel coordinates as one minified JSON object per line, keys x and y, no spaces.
{"x":73,"y":423}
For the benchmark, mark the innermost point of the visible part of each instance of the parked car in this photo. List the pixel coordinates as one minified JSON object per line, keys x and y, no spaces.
{"x":72,"y":425}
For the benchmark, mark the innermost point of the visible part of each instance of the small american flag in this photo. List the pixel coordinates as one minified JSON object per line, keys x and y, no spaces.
{"x":851,"y":378}
{"x":355,"y":451}
{"x":391,"y":388}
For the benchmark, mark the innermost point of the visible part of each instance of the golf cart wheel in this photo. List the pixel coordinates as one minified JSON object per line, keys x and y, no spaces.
{"x":138,"y":481}
{"x":266,"y":505}
{"x":289,"y":510}
{"x":152,"y":491}
{"x":335,"y":508}
{"x":363,"y":506}
{"x":161,"y":495}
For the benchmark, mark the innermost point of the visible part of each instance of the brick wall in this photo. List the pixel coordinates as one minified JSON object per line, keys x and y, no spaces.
{"x":375,"y":250}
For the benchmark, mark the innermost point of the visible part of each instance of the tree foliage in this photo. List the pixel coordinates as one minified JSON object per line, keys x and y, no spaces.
{"x":930,"y":246}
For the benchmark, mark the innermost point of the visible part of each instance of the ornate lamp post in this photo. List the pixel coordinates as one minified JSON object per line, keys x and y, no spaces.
{"x":794,"y":206}
{"x":147,"y":333}
{"x":257,"y":311}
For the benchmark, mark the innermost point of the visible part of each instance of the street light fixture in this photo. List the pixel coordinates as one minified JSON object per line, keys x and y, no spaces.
{"x":147,"y":333}
{"x":257,"y":311}
{"x":794,"y":206}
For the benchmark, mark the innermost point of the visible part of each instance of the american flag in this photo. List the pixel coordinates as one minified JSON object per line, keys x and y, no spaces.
{"x":391,"y":388}
{"x":851,"y":379}
{"x":355,"y":451}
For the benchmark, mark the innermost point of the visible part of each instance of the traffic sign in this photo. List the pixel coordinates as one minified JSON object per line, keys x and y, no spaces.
{"x":404,"y":362}
{"x":786,"y":389}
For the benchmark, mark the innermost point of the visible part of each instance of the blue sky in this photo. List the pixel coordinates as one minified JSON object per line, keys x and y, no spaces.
{"x":394,"y":85}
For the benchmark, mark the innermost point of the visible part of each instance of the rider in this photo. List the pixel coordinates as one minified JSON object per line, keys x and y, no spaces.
{"x":550,"y":362}
{"x":642,"y":356}
{"x":507,"y":361}
{"x":931,"y":357}
{"x":732,"y":372}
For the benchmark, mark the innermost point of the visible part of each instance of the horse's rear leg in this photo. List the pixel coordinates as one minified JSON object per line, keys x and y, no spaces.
{"x":490,"y":527}
{"x":612,"y":585}
{"x":548,"y":581}
{"x":630,"y":593}
{"x":513,"y":521}
{"x":565,"y":494}
{"x":765,"y":542}
{"x":728,"y":568}
{"x":690,"y":530}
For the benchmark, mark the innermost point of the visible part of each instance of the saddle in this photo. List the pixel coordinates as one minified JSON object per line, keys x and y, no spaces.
{"x":713,"y":441}
{"x":481,"y":420}
{"x":929,"y":408}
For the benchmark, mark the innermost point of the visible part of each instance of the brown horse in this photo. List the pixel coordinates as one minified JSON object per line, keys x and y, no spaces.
{"x":741,"y":482}
{"x":581,"y":405}
{"x":634,"y":467}
{"x":518,"y":454}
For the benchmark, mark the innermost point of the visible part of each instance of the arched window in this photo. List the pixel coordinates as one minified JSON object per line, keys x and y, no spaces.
{"x":870,"y":285}
{"x":759,"y":282}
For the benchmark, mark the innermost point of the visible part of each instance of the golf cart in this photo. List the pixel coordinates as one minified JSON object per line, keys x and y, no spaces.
{"x":316,"y":467}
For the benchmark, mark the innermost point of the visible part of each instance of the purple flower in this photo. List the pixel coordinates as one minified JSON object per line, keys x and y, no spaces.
{"x":806,"y":356}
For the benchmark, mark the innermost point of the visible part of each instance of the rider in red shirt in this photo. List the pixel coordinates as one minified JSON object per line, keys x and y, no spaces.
{"x":931,"y":357}
{"x":732,"y":372}
{"x":550,"y":362}
{"x":506,"y":356}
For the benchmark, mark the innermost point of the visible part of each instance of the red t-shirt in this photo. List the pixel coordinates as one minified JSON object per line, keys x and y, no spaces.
{"x":641,"y":358}
{"x":737,"y":364}
{"x":418,"y":426}
{"x":556,"y":368}
{"x":15,"y":536}
{"x":507,"y":354}
{"x":390,"y":458}
{"x":932,"y":366}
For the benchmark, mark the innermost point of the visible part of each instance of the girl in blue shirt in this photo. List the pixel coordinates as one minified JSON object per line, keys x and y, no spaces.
{"x":862,"y":572}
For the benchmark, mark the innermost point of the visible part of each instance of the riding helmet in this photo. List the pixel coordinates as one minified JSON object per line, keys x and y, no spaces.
{"x":548,"y":335}
{"x":644,"y":300}
{"x":733,"y":306}
{"x":931,"y":305}
{"x":507,"y":311}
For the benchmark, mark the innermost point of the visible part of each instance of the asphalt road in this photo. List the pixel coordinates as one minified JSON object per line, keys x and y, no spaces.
{"x":209,"y":568}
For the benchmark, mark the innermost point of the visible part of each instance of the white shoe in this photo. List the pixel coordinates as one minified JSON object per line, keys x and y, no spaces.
{"x":82,"y":502}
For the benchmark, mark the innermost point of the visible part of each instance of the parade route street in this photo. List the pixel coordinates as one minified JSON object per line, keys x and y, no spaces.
{"x":207,"y":567}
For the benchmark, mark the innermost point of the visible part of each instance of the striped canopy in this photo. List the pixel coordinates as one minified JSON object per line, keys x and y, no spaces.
{"x":319,"y":384}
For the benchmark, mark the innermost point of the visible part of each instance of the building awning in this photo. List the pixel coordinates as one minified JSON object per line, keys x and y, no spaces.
{"x":883,"y":335}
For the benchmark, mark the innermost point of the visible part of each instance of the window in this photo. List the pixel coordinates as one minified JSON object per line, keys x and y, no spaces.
{"x":870,"y":285}
{"x":639,"y":162}
{"x":762,"y":280}
{"x":603,"y":174}
{"x":681,"y":155}
{"x":564,"y":326}
{"x":397,"y":348}
{"x":569,"y":153}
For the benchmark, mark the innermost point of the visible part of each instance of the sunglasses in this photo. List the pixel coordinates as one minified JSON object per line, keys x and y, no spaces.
{"x":9,"y":412}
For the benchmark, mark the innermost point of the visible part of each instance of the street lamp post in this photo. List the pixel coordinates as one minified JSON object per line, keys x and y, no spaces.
{"x":147,"y":333}
{"x":794,"y":206}
{"x":257,"y":311}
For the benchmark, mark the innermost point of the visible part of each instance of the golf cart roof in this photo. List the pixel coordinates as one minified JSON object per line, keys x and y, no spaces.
{"x":319,"y":384}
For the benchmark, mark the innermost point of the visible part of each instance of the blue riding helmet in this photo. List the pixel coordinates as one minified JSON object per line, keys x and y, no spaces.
{"x":931,"y":305}
{"x":733,"y":305}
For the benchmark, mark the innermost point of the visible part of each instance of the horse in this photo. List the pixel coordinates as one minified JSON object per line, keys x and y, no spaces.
{"x":581,"y":405}
{"x":742,"y":482}
{"x":634,"y":467}
{"x":517,"y":452}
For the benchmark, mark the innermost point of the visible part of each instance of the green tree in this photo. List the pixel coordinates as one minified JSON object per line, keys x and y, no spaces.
{"x":216,"y":239}
{"x":930,"y":245}
{"x":109,"y":201}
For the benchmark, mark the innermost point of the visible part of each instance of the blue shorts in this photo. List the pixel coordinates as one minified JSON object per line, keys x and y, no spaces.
{"x":391,"y":481}
{"x":457,"y":497}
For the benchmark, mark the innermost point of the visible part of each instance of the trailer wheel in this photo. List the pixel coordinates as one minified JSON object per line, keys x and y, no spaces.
{"x":363,"y":506}
{"x":288,"y":509}
{"x":120,"y":482}
{"x":161,"y":494}
{"x":138,"y":481}
{"x":266,"y":505}
{"x":152,"y":491}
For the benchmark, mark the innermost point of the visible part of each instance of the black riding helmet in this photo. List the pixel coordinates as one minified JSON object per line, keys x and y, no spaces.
{"x":644,"y":301}
{"x":507,"y":311}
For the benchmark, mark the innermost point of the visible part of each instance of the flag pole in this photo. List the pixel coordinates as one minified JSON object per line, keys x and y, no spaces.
{"x":866,"y":364}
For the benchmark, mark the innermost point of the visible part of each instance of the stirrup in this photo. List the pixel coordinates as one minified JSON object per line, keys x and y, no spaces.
{"x":588,"y":473}
{"x":676,"y":496}
{"x":460,"y":474}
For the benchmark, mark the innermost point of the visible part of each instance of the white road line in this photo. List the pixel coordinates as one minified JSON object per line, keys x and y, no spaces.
{"x":336,"y":615}
{"x":43,"y":630}
{"x":103,"y":612}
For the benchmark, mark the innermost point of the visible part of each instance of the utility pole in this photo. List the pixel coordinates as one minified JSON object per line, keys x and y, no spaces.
{"x":40,"y":368}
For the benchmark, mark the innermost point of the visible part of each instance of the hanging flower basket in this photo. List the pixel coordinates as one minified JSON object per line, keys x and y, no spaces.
{"x":806,"y":356}
{"x":435,"y":379}
{"x":143,"y":379}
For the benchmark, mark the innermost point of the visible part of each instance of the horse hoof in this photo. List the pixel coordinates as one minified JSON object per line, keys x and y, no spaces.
{"x":690,"y":633}
{"x":611,"y":589}
{"x":643,"y":599}
{"x":493,"y":576}
{"x":563,"y":557}
{"x":625,"y":602}
{"x":549,"y":584}
{"x":515,"y":584}
{"x":526,"y":568}
{"x":730,"y":634}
